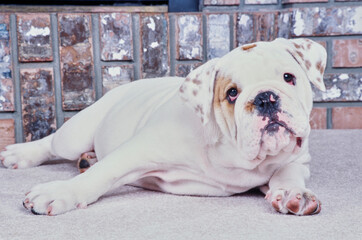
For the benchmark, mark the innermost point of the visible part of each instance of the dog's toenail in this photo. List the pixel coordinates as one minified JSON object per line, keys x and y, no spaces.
{"x":279,"y":198}
{"x":34,"y":212}
{"x":299,"y":196}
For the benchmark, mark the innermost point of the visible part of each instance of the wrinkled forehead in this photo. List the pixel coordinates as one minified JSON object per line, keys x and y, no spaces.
{"x":260,"y":60}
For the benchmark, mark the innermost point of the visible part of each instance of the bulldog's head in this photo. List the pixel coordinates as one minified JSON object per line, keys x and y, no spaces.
{"x":259,"y":94}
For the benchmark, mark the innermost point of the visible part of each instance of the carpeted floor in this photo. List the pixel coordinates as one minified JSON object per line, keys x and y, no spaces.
{"x":133,"y":213}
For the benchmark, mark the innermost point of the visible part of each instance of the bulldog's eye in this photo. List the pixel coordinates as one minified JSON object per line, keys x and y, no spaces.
{"x":232,"y":95}
{"x":289,"y":78}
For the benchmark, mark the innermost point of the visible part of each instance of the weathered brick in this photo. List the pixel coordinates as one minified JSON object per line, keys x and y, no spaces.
{"x":256,"y":26}
{"x":116,"y":36}
{"x":318,"y":118}
{"x":244,"y":29}
{"x":266,"y":23}
{"x":347,"y":117}
{"x":34,"y":37}
{"x":154,"y":45}
{"x":6,"y":95}
{"x":114,"y":76}
{"x":284,"y":24}
{"x":7,"y":132}
{"x":221,"y":2}
{"x":302,"y":1}
{"x":38,"y":102}
{"x":347,"y":53}
{"x":76,"y":60}
{"x":6,"y":83}
{"x":327,"y":21}
{"x":189,"y":37}
{"x":340,"y":87}
{"x":218,"y":32}
{"x":182,"y":70}
{"x":261,"y":1}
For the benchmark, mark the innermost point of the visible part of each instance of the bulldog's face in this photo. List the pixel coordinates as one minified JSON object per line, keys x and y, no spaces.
{"x":259,"y":94}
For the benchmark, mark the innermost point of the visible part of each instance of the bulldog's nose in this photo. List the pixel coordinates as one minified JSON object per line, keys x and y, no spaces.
{"x":266,"y":103}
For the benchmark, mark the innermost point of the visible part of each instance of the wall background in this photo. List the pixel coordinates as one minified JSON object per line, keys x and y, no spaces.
{"x":57,"y":61}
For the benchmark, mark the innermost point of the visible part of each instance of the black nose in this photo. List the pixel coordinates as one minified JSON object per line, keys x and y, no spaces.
{"x":267,"y":103}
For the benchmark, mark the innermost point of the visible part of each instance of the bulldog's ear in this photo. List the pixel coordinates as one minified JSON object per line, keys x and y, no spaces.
{"x":312,"y":57}
{"x":198,"y":89}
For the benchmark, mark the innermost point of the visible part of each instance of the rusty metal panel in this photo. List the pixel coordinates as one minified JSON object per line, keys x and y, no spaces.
{"x":7,"y":132}
{"x":116,"y":36}
{"x":38,"y":102}
{"x":76,"y":58}
{"x":218,"y":32}
{"x":34,"y":38}
{"x":182,"y":70}
{"x":189,"y":37}
{"x":6,"y":83}
{"x":154,"y":45}
{"x":114,"y":76}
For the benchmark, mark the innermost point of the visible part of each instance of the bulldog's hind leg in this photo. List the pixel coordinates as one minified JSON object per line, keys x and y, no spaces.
{"x":68,"y":142}
{"x":24,"y":155}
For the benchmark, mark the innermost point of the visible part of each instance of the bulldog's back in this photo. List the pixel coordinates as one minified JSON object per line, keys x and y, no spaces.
{"x":132,"y":106}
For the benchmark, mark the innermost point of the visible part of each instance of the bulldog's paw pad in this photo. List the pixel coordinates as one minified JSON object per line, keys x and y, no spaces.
{"x":296,"y":201}
{"x":86,"y":160}
{"x":52,"y":198}
{"x":23,"y":155}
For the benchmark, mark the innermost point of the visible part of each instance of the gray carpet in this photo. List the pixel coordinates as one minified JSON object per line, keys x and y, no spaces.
{"x":133,"y":213}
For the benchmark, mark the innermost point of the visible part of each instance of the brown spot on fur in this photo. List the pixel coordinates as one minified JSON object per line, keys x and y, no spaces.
{"x":248,"y":47}
{"x":187,"y":79}
{"x":319,"y":79}
{"x":182,"y":89}
{"x":224,"y":111}
{"x":300,"y":54}
{"x":194,"y":92}
{"x":308,"y":64}
{"x":249,"y":107}
{"x":296,"y":45}
{"x":320,"y":67}
{"x":198,"y":108}
{"x":309,"y":45}
{"x":196,"y":81}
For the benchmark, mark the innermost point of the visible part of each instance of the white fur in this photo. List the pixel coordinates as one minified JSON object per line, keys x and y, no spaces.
{"x":149,"y":134}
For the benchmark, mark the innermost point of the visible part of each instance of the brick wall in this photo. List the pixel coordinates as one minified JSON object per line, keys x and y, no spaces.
{"x":55,"y":63}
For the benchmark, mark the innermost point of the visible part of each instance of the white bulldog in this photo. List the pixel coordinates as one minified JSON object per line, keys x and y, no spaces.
{"x":235,"y":123}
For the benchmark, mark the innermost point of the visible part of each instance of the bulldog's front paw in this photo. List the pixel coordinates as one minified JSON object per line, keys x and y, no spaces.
{"x":296,"y":201}
{"x":53,"y":198}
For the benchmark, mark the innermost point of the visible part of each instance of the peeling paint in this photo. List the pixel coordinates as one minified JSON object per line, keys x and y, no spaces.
{"x":38,"y":103}
{"x":116,"y":76}
{"x":34,"y":31}
{"x":34,"y":38}
{"x":154,"y":59}
{"x":76,"y":55}
{"x":116,"y":37}
{"x":327,"y":21}
{"x":6,"y":83}
{"x":189,"y":37}
{"x":340,"y":87}
{"x":218,"y":30}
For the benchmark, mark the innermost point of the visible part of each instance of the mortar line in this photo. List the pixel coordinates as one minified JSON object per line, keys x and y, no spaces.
{"x":18,"y":118}
{"x":136,"y":45}
{"x":98,"y":84}
{"x":56,"y":70}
